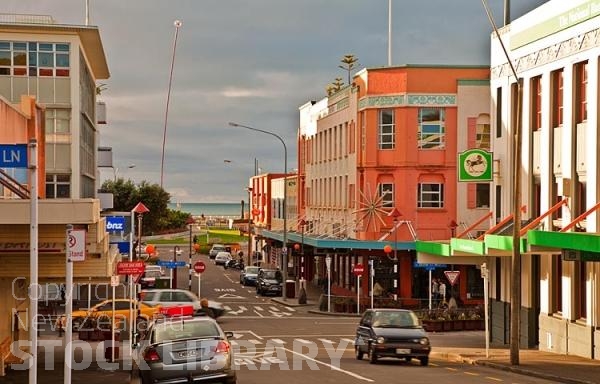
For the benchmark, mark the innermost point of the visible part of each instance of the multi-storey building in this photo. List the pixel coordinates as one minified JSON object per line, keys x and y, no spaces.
{"x":555,"y":52}
{"x":56,"y":65}
{"x":377,"y":167}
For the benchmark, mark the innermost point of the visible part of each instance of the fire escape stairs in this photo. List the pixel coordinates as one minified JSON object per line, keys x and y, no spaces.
{"x":13,"y":185}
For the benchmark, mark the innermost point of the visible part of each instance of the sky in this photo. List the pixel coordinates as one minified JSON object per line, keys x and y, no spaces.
{"x":253,"y":62}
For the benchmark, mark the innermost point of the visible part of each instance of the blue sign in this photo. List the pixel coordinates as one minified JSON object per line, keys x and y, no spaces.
{"x":429,"y":267}
{"x":123,"y":247}
{"x":13,"y":156}
{"x":171,"y":264}
{"x":115,"y":223}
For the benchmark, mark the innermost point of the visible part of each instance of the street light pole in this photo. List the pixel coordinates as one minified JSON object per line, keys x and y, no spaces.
{"x":249,"y":257}
{"x":190,"y":222}
{"x":284,"y":250}
{"x":395,"y":215}
{"x":177,"y":24}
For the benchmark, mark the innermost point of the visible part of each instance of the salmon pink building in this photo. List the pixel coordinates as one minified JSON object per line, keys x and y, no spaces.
{"x":377,"y":171}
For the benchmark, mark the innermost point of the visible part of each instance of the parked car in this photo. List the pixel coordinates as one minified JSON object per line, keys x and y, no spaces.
{"x":148,"y":279}
{"x":391,"y":333}
{"x":154,"y":267}
{"x":248,"y":275}
{"x":222,"y":258}
{"x":178,"y":297}
{"x":176,"y":349}
{"x":216,"y":248}
{"x":269,"y":281}
{"x":104,"y":310}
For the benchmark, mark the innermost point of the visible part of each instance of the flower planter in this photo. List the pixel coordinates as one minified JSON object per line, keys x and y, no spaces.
{"x":433,"y":325}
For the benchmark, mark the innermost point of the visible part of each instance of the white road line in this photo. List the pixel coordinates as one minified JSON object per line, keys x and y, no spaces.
{"x":303,"y":341}
{"x":254,"y":341}
{"x":290,"y":309}
{"x":277,"y":341}
{"x":326,"y":341}
{"x":274,"y":308}
{"x":351,"y":341}
{"x":333,"y":367}
{"x":227,"y":308}
{"x":257,"y":308}
{"x":258,"y":313}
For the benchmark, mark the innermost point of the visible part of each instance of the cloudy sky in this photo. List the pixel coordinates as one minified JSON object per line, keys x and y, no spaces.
{"x":253,"y":62}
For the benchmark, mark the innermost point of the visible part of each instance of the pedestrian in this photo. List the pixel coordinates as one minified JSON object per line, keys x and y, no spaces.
{"x":62,"y":292}
{"x":442,"y":291}
{"x":195,"y":239}
{"x":435,"y":289}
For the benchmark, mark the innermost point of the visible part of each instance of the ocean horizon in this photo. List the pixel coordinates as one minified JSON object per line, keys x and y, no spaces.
{"x":210,"y":209}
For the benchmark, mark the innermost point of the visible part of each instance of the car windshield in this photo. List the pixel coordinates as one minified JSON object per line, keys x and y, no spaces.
{"x":252,"y":270}
{"x":153,"y":273}
{"x":272,"y":275}
{"x":185,"y":330}
{"x":391,"y":319}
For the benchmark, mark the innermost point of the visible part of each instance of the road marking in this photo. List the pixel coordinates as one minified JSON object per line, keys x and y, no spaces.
{"x":278,"y":341}
{"x":351,"y":341}
{"x":304,"y":341}
{"x":227,"y":308}
{"x":326,"y":341}
{"x":333,"y":367}
{"x":493,"y":378}
{"x":273,"y":308}
{"x":257,"y":308}
{"x":452,"y":369}
{"x":230,"y":296}
{"x":472,"y":373}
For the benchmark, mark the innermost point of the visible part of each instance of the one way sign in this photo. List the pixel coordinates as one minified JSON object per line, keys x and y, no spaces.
{"x":452,"y":276}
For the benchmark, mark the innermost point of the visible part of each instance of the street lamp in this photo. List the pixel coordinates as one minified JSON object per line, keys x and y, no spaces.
{"x":248,"y":256}
{"x":116,"y":171}
{"x":177,"y":24}
{"x":284,"y":249}
{"x":190,"y":221}
{"x":395,"y":214}
{"x":140,"y":209}
{"x":302,"y":293}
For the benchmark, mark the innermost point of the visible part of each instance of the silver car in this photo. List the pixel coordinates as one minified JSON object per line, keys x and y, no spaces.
{"x":184,"y":350}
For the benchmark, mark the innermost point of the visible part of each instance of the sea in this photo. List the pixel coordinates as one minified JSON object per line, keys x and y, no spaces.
{"x":228,"y":210}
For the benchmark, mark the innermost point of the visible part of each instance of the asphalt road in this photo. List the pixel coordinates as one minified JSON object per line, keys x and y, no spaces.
{"x":270,"y":337}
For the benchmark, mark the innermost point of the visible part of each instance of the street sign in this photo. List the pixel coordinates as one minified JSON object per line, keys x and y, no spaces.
{"x":169,"y":264}
{"x":77,"y":244}
{"x":452,"y":276}
{"x":13,"y":155}
{"x":429,"y":267}
{"x":130,"y":267}
{"x":199,"y":267}
{"x":284,"y":251}
{"x":114,"y":281}
{"x":359,"y":269}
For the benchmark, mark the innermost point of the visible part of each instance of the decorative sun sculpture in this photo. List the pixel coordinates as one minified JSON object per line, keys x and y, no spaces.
{"x":371,"y":209}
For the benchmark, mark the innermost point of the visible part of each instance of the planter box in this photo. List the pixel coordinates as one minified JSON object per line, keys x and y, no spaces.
{"x":474,"y":325}
{"x":433,"y":325}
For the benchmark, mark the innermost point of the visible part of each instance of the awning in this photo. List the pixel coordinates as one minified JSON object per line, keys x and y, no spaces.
{"x":333,"y":243}
{"x":586,"y":246}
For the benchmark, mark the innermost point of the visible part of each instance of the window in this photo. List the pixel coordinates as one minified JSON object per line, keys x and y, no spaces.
{"x":482,"y":139}
{"x":57,"y":121}
{"x":430,"y":196}
{"x":34,"y":59}
{"x":557,"y":98}
{"x":431,"y":128}
{"x":557,"y":285}
{"x":580,"y":289}
{"x":482,"y":195}
{"x":386,"y":193}
{"x":581,"y":80}
{"x":386,"y":129}
{"x":499,"y":112}
{"x":58,"y":186}
{"x":536,"y":103}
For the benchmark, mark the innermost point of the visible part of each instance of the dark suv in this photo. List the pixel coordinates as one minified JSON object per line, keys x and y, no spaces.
{"x":269,"y":281}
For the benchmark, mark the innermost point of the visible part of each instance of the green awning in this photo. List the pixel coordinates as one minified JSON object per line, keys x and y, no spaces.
{"x":580,"y":241}
{"x":467,"y":246}
{"x":504,"y":243}
{"x":433,"y":247}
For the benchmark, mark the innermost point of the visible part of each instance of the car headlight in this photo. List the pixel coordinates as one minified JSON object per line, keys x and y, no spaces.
{"x":424,"y":341}
{"x":380,"y":340}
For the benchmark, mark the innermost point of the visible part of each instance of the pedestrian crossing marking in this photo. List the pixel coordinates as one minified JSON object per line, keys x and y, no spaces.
{"x":257,"y":308}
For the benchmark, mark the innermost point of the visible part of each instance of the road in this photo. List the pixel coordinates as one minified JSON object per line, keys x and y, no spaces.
{"x":270,"y":337}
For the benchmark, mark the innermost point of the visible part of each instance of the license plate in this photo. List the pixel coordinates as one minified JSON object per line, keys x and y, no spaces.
{"x":189,"y":353}
{"x":400,"y":351}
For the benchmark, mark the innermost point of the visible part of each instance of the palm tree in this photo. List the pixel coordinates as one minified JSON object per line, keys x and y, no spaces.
{"x":349,"y":62}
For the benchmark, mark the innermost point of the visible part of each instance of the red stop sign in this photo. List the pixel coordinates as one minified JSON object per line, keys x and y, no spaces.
{"x":358,"y":269}
{"x":199,"y":267}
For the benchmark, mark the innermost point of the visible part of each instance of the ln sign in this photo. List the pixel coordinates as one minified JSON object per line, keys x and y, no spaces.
{"x":13,"y":155}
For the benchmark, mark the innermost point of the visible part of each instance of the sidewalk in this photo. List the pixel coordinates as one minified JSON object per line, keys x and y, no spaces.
{"x":469,"y":347}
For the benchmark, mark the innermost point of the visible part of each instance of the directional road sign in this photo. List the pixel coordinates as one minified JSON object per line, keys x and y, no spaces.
{"x":169,"y":264}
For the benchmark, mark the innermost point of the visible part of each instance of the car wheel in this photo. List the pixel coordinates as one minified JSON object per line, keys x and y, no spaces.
{"x":372,"y":355}
{"x":424,"y":361}
{"x":408,"y":359}
{"x":358,"y":353}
